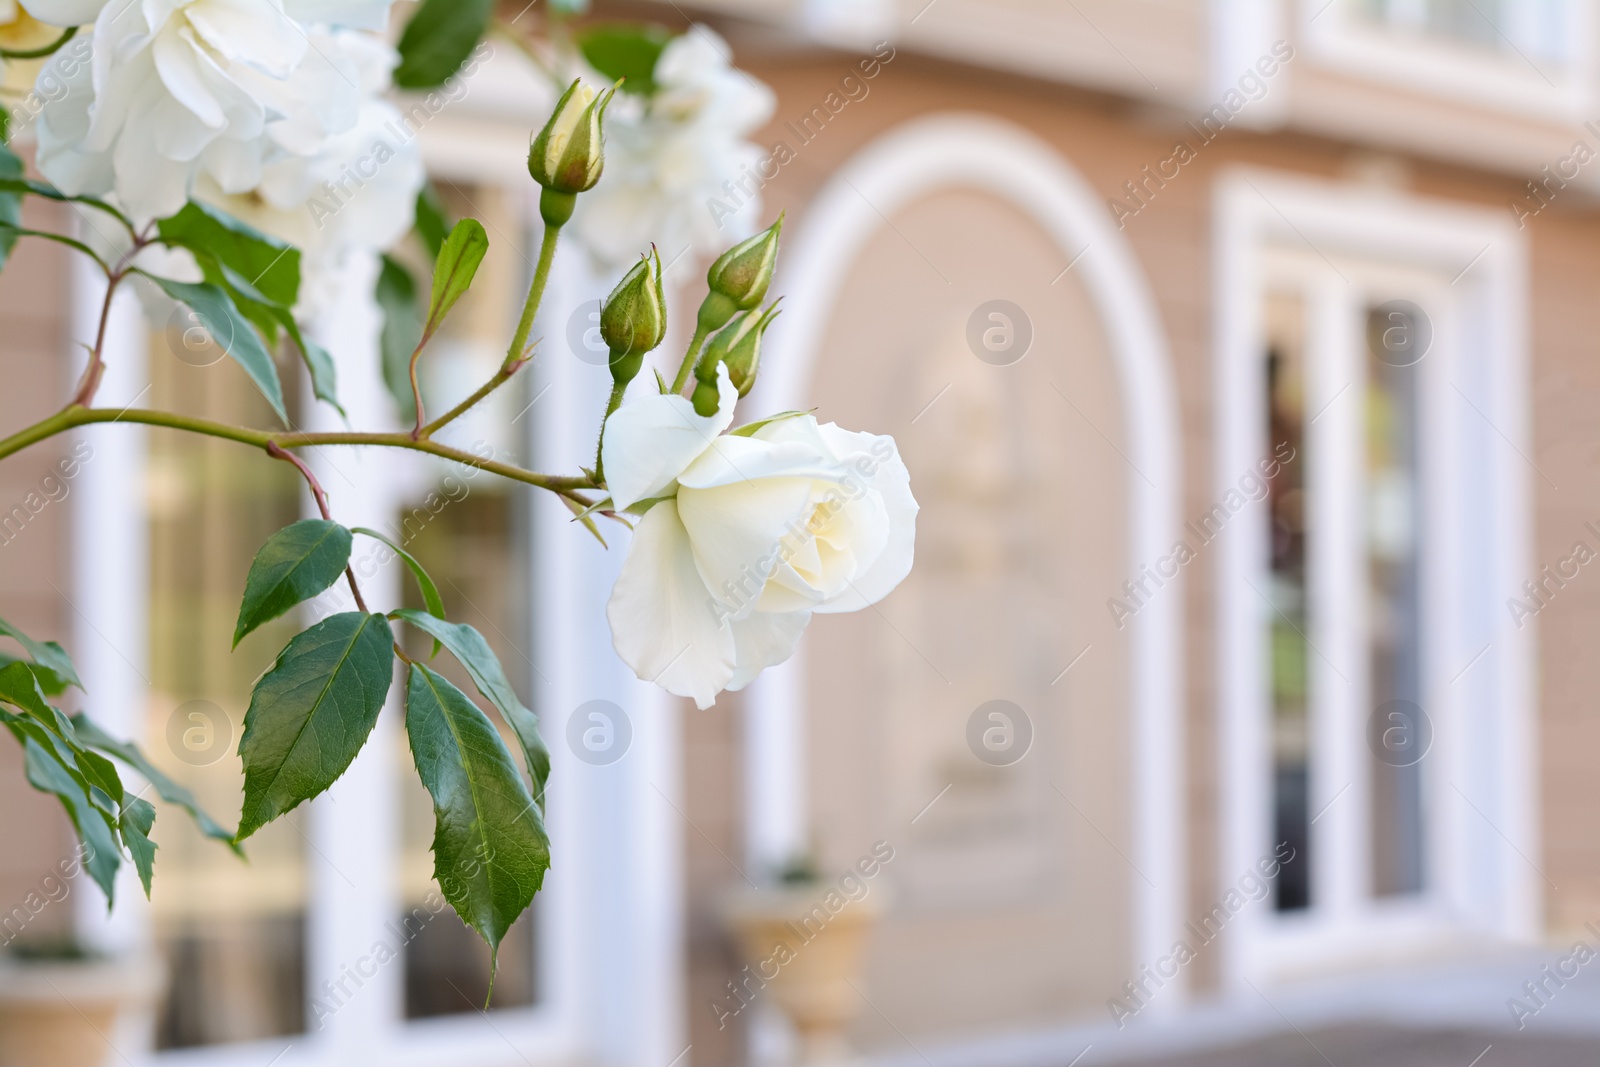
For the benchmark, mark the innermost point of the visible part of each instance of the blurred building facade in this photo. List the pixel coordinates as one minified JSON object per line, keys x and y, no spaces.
{"x":1239,"y":353}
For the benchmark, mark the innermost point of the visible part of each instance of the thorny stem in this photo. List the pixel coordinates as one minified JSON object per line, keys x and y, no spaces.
{"x":416,"y":391}
{"x":611,"y":406}
{"x":75,"y":416}
{"x":500,"y":378}
{"x":321,"y":497}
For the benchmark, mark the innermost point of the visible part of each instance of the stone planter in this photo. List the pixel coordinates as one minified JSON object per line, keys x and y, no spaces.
{"x":807,"y":958}
{"x":64,"y":1013}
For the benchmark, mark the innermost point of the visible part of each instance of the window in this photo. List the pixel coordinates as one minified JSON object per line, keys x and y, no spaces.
{"x":1533,"y":27}
{"x":1533,"y":58}
{"x":1367,"y":348}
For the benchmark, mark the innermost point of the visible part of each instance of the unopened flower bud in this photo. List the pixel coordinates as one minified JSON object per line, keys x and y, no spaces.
{"x":566,"y":156}
{"x":634,"y":317}
{"x":739,"y":346}
{"x":740,"y":276}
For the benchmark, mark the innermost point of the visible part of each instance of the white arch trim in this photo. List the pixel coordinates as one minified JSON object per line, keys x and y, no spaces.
{"x":981,"y":152}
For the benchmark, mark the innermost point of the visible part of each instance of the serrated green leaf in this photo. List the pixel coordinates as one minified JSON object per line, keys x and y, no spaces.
{"x":311,"y":713}
{"x":137,"y":819}
{"x":90,"y":734}
{"x":455,"y":268}
{"x":20,"y":688}
{"x":396,"y":297}
{"x":268,"y":264}
{"x":438,"y":40}
{"x":625,"y":50}
{"x":430,"y":592}
{"x":230,"y":329}
{"x":490,"y":849}
{"x":473,"y":652}
{"x":50,"y":683}
{"x":432,"y":225}
{"x":46,"y":654}
{"x":296,"y":563}
{"x":97,"y":830}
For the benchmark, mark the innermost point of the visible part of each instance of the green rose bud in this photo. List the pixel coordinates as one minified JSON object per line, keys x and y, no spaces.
{"x":738,"y":345}
{"x":634,"y":317}
{"x":742,"y":273}
{"x":566,"y":156}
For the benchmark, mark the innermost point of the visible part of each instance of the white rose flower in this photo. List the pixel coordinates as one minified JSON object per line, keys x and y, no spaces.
{"x":183,"y":88}
{"x":358,"y":194}
{"x":749,"y":535}
{"x":669,"y":157}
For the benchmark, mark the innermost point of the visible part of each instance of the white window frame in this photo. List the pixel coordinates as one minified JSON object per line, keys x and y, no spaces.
{"x":611,"y":959}
{"x":1333,"y":240}
{"x":1502,"y":80}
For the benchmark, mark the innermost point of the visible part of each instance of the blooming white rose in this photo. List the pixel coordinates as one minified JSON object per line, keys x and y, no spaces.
{"x":667,"y":158}
{"x":358,"y":193}
{"x":749,"y":535}
{"x":183,"y":88}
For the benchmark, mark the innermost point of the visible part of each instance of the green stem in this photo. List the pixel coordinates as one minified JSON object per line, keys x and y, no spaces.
{"x":611,"y":406}
{"x":530,"y":308}
{"x":75,"y":416}
{"x":499,"y":379}
{"x":39,"y":53}
{"x":695,"y":344}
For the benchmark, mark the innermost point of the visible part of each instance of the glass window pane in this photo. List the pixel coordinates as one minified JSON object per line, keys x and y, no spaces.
{"x":1394,"y":604}
{"x":232,"y":933}
{"x":1288,"y":621}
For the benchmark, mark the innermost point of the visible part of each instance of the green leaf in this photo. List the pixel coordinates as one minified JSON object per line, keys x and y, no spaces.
{"x":625,"y":50}
{"x":490,"y":850}
{"x":10,"y":203}
{"x":296,"y":563}
{"x":49,"y":774}
{"x":138,"y":817}
{"x":432,"y":225}
{"x":311,"y":713}
{"x":171,"y":792}
{"x":20,"y":688}
{"x":402,"y":330}
{"x":10,"y":184}
{"x":46,"y":654}
{"x":438,"y":40}
{"x":230,"y":329}
{"x":430,"y":592}
{"x":319,"y":362}
{"x":455,"y":268}
{"x":269,"y":265}
{"x":50,"y":683}
{"x":468,"y":646}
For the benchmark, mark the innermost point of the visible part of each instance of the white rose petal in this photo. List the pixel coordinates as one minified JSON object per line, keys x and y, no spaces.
{"x":760,"y":531}
{"x":651,"y":439}
{"x":663,"y":624}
